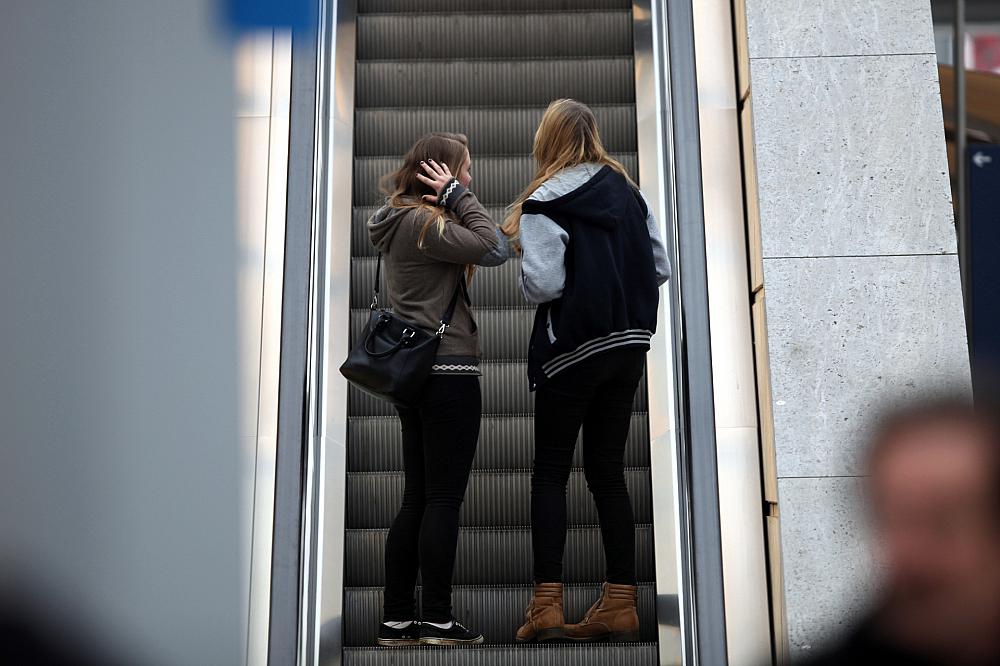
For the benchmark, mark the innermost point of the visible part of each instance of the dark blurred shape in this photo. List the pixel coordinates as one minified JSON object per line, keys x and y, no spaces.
{"x":934,"y":484}
{"x":254,"y":14}
{"x":26,"y":639}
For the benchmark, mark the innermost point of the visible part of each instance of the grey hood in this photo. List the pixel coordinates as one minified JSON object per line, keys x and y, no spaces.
{"x":383,"y":225}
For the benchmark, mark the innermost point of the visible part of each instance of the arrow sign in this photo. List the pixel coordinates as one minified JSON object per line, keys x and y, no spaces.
{"x":984,"y":276}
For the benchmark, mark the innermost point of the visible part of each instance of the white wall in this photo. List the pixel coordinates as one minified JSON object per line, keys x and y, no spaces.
{"x":859,"y":262}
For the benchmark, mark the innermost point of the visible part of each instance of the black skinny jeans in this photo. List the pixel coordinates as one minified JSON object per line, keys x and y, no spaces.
{"x":596,"y":394}
{"x":439,"y":441}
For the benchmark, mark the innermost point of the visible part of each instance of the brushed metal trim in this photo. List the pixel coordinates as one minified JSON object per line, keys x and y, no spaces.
{"x":269,"y":347}
{"x":294,"y":375}
{"x":655,"y":176}
{"x":322,"y":589}
{"x":689,"y":429}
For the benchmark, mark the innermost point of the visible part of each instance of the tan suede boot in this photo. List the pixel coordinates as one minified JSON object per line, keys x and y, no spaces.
{"x":544,"y":615}
{"x":612,"y":617}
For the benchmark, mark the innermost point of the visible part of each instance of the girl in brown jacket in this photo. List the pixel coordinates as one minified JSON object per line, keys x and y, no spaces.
{"x":432,"y":233}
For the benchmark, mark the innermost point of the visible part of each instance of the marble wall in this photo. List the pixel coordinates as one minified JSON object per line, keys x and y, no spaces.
{"x":857,"y":257}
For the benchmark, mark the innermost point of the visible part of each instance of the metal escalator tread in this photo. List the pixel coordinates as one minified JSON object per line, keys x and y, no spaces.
{"x":496,"y":556}
{"x":494,"y":35}
{"x":498,"y":178}
{"x":375,"y":6}
{"x":625,"y":654}
{"x":496,"y":131}
{"x":495,"y":498}
{"x":488,"y":69}
{"x":505,"y":442}
{"x":523,"y":82}
{"x":496,"y":611}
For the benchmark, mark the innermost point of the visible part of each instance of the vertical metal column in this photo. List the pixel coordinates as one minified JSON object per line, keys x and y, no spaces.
{"x":699,"y":464}
{"x":292,"y":424}
{"x":961,"y":163}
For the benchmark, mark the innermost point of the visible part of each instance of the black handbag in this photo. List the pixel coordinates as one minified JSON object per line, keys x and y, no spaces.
{"x":394,"y":357}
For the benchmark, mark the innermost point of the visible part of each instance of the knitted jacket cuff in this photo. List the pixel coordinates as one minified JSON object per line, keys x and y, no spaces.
{"x":451,"y":193}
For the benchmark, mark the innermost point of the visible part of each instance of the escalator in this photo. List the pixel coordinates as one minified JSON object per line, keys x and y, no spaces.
{"x":486,"y":68}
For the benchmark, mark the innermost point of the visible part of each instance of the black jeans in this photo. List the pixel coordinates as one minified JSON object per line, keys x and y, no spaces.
{"x":439,"y":441}
{"x":596,"y":394}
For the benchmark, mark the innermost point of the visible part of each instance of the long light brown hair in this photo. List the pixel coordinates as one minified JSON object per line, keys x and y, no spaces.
{"x":404,"y":190}
{"x":566,"y":136}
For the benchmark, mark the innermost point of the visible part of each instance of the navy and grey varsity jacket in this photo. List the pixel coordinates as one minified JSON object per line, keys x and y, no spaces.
{"x":593,"y":261}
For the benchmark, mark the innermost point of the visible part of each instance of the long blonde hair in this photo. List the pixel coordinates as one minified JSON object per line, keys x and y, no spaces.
{"x":404,"y":190}
{"x":566,"y":136}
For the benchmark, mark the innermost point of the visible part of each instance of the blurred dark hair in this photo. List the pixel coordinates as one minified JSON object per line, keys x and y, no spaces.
{"x":936,"y":410}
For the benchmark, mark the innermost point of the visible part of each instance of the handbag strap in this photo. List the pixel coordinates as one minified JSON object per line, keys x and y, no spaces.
{"x":445,"y":321}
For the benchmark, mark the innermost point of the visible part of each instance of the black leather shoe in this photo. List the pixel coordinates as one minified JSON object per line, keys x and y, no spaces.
{"x":456,"y":634}
{"x":409,"y":635}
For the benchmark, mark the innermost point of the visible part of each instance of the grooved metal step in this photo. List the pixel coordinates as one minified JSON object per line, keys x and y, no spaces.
{"x":505,"y":442}
{"x":609,"y":80}
{"x":604,"y":654}
{"x":361,"y":245}
{"x":503,"y":334}
{"x":509,"y":131}
{"x":504,"y":388}
{"x":372,"y":6}
{"x":493,"y":499}
{"x":495,"y":611}
{"x":496,"y":179}
{"x":488,"y":69}
{"x":494,"y":35}
{"x":488,"y":556}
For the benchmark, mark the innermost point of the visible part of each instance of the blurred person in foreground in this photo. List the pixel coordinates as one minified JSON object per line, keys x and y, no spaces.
{"x":934,"y":489}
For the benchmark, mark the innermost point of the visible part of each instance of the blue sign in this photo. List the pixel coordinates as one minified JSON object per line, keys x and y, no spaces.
{"x":984,"y":276}
{"x":253,"y":14}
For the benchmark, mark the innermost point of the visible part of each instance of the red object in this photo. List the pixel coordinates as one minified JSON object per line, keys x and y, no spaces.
{"x":986,"y":53}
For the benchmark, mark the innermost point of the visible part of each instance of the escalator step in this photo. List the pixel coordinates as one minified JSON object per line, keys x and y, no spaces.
{"x":625,"y":654}
{"x":505,"y":442}
{"x":490,"y":131}
{"x":496,"y":179}
{"x":495,"y":611}
{"x":372,"y":6}
{"x":493,"y":499}
{"x":504,"y":388}
{"x":494,"y":35}
{"x":609,"y":80}
{"x":497,"y":556}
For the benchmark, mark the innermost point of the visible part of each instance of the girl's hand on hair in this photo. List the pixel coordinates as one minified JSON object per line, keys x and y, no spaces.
{"x":438,"y":176}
